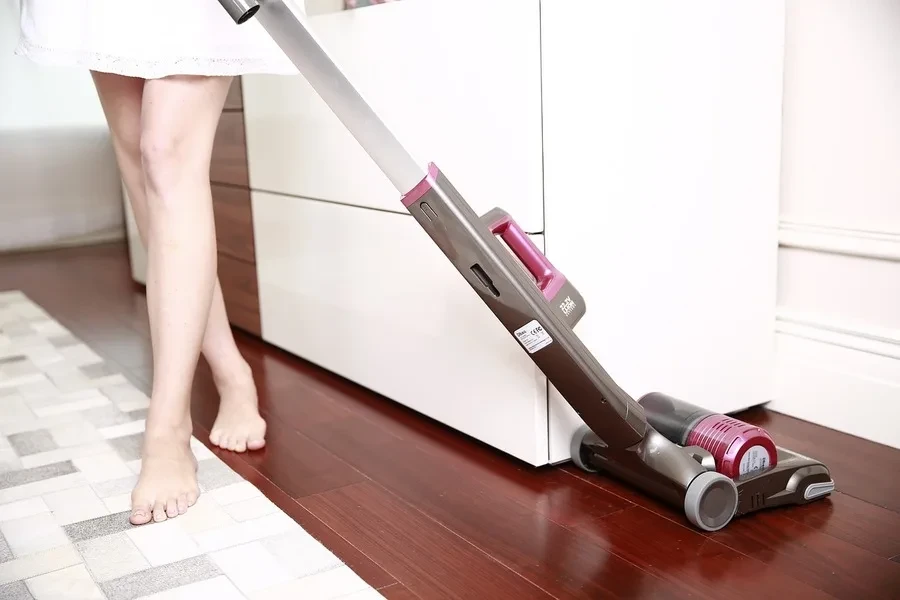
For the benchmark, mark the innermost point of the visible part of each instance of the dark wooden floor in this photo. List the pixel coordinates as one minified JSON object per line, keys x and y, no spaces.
{"x":422,"y":512}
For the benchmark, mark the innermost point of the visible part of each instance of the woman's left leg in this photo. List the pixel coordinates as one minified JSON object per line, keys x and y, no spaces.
{"x":238,"y":425}
{"x":179,"y":117}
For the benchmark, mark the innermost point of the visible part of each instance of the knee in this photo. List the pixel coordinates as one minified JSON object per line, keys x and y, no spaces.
{"x":160,"y":158}
{"x":128,"y":150}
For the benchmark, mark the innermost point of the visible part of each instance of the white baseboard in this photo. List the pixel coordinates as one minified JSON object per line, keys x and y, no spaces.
{"x":839,"y":377}
{"x":115,"y":234}
{"x":836,"y":240}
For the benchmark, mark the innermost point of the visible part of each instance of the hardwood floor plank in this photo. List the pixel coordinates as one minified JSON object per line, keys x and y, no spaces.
{"x":859,"y":468}
{"x":240,"y":290}
{"x":298,"y":466}
{"x":820,"y":560}
{"x":292,"y":462}
{"x":577,"y":516}
{"x":548,"y":490}
{"x":397,"y":592}
{"x":812,"y":551}
{"x":277,"y":378}
{"x":852,"y":520}
{"x":430,"y":560}
{"x":361,"y":564}
{"x":229,"y":156}
{"x":234,"y":222}
{"x":235,"y":98}
{"x":861,"y":523}
{"x":518,"y":527}
{"x":691,"y":561}
{"x":507,"y":528}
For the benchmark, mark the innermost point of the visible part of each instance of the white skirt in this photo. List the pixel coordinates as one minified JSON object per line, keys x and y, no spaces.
{"x":146,"y":38}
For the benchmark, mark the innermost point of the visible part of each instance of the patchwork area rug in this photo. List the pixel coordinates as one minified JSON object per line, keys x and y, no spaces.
{"x":69,"y":456}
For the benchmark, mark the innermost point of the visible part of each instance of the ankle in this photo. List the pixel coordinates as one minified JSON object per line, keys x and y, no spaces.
{"x":168,"y":430}
{"x":238,"y":373}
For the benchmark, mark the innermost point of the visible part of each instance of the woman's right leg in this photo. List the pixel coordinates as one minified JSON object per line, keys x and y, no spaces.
{"x":238,"y":426}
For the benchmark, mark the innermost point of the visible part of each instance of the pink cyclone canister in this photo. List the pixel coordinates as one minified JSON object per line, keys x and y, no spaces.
{"x":739,"y":448}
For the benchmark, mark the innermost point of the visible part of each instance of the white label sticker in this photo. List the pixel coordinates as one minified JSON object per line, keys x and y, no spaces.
{"x":755,"y":459}
{"x":533,"y":337}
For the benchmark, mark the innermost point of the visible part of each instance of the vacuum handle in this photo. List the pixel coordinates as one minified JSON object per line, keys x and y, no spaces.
{"x":545,"y":274}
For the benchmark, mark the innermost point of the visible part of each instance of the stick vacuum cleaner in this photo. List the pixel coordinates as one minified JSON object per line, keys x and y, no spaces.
{"x":711,"y":466}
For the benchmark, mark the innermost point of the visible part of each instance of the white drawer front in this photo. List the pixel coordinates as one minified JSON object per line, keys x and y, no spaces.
{"x":452,"y":89}
{"x":367,"y":295}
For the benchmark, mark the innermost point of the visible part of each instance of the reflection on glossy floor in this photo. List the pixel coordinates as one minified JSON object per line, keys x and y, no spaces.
{"x":429,"y":513}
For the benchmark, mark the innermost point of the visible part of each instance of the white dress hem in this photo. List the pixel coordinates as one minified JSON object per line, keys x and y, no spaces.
{"x":135,"y":67}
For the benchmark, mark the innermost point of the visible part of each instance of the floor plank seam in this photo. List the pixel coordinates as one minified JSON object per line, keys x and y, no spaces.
{"x":267,"y":414}
{"x":462,"y":537}
{"x":744,"y":554}
{"x":867,"y":501}
{"x":437,"y":522}
{"x":205,"y":441}
{"x":666,"y":517}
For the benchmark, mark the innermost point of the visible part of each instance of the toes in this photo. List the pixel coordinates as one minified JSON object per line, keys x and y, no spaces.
{"x":182,"y":503}
{"x":215,"y":436}
{"x":172,"y":508}
{"x":256,"y":444}
{"x":240,"y":445}
{"x":159,"y":512}
{"x":223,"y":442}
{"x":192,"y":498}
{"x":140,"y":515}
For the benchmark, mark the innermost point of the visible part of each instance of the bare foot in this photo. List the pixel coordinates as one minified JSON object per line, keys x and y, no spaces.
{"x":238,"y":426}
{"x":167,"y":485}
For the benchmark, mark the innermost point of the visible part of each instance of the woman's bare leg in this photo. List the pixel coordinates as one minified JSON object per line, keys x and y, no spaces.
{"x":179,"y":117}
{"x":238,"y":426}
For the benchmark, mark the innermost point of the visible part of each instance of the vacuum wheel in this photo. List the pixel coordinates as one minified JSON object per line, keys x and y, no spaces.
{"x":711,"y":501}
{"x":579,"y":449}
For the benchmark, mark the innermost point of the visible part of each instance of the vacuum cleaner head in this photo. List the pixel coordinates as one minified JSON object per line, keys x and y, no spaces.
{"x":744,"y":470}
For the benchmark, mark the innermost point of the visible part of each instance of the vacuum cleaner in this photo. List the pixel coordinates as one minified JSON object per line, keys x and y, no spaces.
{"x":711,"y":466}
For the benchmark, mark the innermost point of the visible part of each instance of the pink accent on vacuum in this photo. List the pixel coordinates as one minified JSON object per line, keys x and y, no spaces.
{"x":739,"y":448}
{"x":548,"y":278}
{"x":415,"y":194}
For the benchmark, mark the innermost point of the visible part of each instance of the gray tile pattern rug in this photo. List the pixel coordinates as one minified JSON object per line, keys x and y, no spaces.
{"x":70,"y":436}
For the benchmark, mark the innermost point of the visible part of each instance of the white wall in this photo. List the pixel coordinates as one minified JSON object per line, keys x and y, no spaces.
{"x":320,"y":7}
{"x":58,"y":179}
{"x":839,"y":260}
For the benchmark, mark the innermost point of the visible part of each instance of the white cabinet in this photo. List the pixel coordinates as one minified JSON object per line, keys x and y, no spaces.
{"x":367,"y":295}
{"x":458,"y":81}
{"x":648,"y":134}
{"x":662,"y":137}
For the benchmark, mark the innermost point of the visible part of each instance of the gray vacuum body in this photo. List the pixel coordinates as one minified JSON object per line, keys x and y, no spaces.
{"x":540,"y":307}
